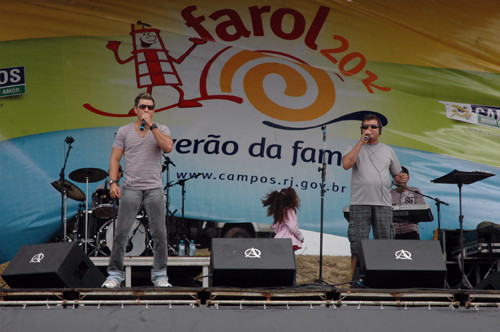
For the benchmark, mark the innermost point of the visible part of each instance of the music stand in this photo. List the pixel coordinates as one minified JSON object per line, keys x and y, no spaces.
{"x":460,"y":178}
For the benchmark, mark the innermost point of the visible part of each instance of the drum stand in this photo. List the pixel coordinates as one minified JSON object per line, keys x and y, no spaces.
{"x":67,"y":190}
{"x":64,"y":198}
{"x":86,"y":175}
{"x":98,"y":246}
{"x":86,"y":240}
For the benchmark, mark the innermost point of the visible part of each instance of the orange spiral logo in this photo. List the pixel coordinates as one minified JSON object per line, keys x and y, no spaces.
{"x":297,"y":86}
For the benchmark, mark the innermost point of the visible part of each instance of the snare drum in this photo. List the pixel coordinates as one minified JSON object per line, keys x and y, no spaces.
{"x":103,"y":204}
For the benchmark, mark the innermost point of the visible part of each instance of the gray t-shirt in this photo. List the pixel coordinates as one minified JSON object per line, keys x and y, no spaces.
{"x":143,"y":165}
{"x":371,"y":179}
{"x":406,"y":197}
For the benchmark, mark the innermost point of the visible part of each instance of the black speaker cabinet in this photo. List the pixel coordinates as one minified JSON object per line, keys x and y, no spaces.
{"x":245,"y":263}
{"x":401,"y":264}
{"x":52,"y":265}
{"x":491,"y":282}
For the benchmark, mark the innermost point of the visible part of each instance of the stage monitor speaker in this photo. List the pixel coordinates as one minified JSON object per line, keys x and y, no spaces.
{"x":491,"y":282}
{"x":246,"y":263}
{"x":401,"y":264}
{"x":52,"y":265}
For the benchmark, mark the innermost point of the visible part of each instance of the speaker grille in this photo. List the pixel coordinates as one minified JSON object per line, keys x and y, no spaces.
{"x":252,"y":263}
{"x":401,"y":264}
{"x":52,"y":265}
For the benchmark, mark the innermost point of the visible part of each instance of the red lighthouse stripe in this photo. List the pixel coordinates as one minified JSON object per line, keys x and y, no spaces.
{"x":155,"y":70}
{"x":153,"y":62}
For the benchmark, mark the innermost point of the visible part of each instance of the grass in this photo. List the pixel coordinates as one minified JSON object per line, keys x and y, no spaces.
{"x":336,"y":270}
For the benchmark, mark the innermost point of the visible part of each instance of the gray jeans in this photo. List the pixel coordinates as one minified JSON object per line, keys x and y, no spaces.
{"x":154,"y":204}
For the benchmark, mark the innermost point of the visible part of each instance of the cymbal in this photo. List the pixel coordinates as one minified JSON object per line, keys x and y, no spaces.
{"x":92,"y":174}
{"x":72,"y":191}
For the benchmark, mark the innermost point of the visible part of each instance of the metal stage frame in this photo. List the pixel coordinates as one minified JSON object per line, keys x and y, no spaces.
{"x":220,"y":309}
{"x":305,"y":295}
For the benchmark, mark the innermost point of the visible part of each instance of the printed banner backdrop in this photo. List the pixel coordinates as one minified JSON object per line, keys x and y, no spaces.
{"x":245,"y":88}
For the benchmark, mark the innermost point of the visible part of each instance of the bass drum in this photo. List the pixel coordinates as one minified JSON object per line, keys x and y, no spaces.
{"x":137,"y":238}
{"x":76,"y":226}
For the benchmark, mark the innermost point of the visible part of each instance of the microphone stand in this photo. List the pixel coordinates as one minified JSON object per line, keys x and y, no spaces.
{"x":64,"y":197}
{"x":182,"y":183}
{"x":167,"y":163}
{"x":322,"y":169}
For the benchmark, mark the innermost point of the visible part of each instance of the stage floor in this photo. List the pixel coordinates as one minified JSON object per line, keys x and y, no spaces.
{"x":307,"y":307}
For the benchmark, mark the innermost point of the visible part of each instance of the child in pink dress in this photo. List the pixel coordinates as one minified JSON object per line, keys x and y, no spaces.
{"x":282,"y":205}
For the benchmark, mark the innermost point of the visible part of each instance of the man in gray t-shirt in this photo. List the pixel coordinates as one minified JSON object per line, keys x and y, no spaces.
{"x":406,"y":195}
{"x":373,"y":164}
{"x":141,"y":144}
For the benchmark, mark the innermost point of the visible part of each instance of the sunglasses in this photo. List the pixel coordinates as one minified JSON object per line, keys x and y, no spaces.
{"x":369,"y":126}
{"x":149,"y":107}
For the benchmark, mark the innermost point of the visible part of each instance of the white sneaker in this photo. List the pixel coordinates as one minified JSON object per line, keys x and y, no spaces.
{"x":162,"y":283}
{"x":110,"y":283}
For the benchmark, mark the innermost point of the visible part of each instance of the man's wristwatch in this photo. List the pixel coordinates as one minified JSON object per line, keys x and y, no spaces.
{"x":113,"y":181}
{"x":153,"y":126}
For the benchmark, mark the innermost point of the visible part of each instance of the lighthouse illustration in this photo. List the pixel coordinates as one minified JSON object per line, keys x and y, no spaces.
{"x":154,"y":66}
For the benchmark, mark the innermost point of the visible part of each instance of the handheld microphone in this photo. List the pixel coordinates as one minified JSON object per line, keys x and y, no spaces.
{"x":143,"y":125}
{"x":69,"y":140}
{"x":366,"y":137}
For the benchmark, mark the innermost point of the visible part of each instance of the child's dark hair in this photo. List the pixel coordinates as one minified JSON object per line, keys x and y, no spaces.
{"x":279,"y":201}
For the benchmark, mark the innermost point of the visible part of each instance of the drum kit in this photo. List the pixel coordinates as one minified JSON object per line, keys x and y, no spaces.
{"x":93,"y":228}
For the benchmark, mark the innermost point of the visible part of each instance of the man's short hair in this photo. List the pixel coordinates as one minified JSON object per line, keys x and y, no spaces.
{"x":143,"y":95}
{"x":370,"y":116}
{"x":405,"y":170}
